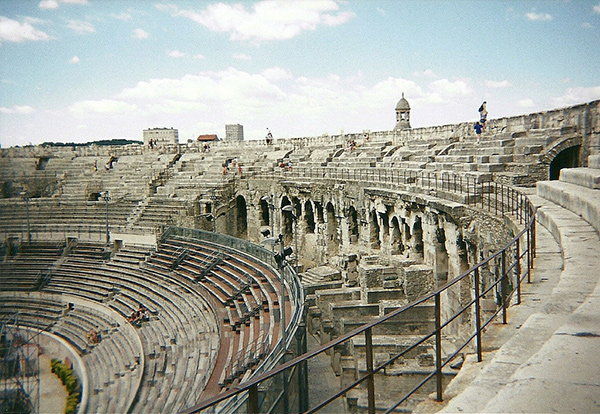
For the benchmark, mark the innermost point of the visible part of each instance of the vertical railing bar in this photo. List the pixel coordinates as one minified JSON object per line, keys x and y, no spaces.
{"x":438,"y":347}
{"x":478,"y":316}
{"x":503,"y":286}
{"x":370,"y":379}
{"x":518,"y":270}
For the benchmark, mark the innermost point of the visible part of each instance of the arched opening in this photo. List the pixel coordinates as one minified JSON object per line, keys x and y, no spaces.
{"x":441,"y":257}
{"x":286,"y":221}
{"x":397,"y":247}
{"x":309,"y":218}
{"x":567,"y":158}
{"x":265,"y":214}
{"x":417,"y":239}
{"x":332,"y":239}
{"x":241,"y":217}
{"x":374,"y":231}
{"x":353,"y":224}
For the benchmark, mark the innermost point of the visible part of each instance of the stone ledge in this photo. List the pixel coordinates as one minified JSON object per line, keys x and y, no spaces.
{"x":585,"y":177}
{"x":580,"y":200}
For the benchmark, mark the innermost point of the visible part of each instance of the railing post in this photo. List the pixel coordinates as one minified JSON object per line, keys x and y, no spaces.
{"x":370,"y":378}
{"x":478,"y":316}
{"x":253,"y":399}
{"x":438,"y":347}
{"x":518,"y":270}
{"x":503,"y":287}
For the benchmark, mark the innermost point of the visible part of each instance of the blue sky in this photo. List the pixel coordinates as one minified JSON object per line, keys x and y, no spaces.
{"x":82,"y":70}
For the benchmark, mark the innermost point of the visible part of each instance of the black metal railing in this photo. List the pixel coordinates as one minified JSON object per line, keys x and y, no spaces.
{"x":464,"y":319}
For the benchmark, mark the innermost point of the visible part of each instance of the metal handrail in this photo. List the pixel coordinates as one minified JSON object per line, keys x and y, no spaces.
{"x":493,"y":197}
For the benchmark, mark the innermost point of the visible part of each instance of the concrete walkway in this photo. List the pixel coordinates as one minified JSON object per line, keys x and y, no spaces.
{"x":547,"y":358}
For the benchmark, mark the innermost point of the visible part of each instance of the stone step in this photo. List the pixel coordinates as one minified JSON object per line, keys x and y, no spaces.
{"x":577,"y":199}
{"x":585,"y":177}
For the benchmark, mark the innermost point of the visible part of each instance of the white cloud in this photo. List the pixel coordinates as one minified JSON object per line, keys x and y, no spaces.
{"x":277,"y":73}
{"x":573,"y":96}
{"x":597,"y":8}
{"x":103,"y":106}
{"x":140,"y":34}
{"x":17,"y":110}
{"x":526,"y":103}
{"x":498,"y":84}
{"x":381,"y":11}
{"x":199,"y":56}
{"x":587,"y":25}
{"x":13,"y":31}
{"x":80,"y":26}
{"x":74,"y":59}
{"x":535,"y":17}
{"x":446,"y":88}
{"x":266,"y":20}
{"x":53,"y":4}
{"x":241,"y":56}
{"x":176,"y":54}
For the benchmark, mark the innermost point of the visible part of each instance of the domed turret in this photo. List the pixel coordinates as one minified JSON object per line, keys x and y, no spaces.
{"x":402,"y":104}
{"x":402,"y":114}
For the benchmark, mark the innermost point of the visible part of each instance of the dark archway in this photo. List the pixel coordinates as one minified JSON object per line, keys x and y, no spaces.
{"x":241,"y":217}
{"x":353,"y":227}
{"x":567,"y":158}
{"x":309,"y":218}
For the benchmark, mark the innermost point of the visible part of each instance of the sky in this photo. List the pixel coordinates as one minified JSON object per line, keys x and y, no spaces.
{"x":85,"y":70}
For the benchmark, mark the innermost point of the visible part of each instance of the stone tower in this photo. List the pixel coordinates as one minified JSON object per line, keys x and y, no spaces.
{"x":402,"y":114}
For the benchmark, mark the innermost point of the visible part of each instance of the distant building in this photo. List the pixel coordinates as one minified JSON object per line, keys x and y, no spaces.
{"x":207,"y":137}
{"x":234,"y":132}
{"x":161,"y":136}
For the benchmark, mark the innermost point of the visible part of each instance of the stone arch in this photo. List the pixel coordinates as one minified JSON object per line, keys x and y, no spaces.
{"x":374,"y":231}
{"x":286,"y":220}
{"x":564,"y":154}
{"x":417,"y":239}
{"x":353,"y":226}
{"x":265,"y":218}
{"x":396,"y":245}
{"x":440,"y":268}
{"x":331,"y":229}
{"x":308,"y":221}
{"x":241,"y":217}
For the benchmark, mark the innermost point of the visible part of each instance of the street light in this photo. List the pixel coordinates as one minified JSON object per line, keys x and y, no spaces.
{"x":106,"y":199}
{"x":280,"y":259}
{"x":292,"y":212}
{"x":27,"y":198}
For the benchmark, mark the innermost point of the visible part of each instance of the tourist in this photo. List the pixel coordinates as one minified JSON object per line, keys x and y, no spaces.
{"x":478,"y":128}
{"x":483,"y":113}
{"x":269,"y":137}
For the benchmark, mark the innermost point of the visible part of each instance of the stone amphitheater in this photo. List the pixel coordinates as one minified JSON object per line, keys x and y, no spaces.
{"x":380,"y":229}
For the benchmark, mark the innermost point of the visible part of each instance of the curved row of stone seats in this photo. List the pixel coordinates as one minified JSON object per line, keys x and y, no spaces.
{"x":180,"y":335}
{"x":243,"y":290}
{"x":49,"y":216}
{"x":157,"y":211}
{"x":114,"y":363}
{"x":129,"y":177}
{"x":25,"y":266}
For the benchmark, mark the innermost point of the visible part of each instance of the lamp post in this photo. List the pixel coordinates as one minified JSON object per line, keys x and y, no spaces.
{"x":106,"y":199}
{"x":290,"y":209}
{"x":214,"y":198}
{"x":280,"y":259}
{"x":27,"y":198}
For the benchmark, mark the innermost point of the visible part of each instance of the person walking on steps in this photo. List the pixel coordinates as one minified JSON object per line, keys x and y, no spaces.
{"x":483,"y":113}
